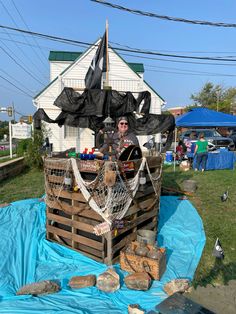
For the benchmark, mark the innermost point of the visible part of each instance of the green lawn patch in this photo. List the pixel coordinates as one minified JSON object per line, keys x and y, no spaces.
{"x":219,"y":219}
{"x":29,"y":184}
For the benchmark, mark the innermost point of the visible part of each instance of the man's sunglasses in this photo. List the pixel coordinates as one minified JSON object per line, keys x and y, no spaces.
{"x":123,"y":123}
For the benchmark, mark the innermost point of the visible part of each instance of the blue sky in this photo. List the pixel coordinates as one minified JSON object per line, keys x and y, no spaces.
{"x":84,"y":20}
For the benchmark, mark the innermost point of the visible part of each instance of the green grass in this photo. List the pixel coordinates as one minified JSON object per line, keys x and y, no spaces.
{"x":29,"y":184}
{"x":219,"y":220}
{"x":7,"y":152}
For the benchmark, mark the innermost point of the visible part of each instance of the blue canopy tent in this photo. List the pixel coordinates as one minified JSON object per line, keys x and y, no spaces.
{"x":203,"y":117}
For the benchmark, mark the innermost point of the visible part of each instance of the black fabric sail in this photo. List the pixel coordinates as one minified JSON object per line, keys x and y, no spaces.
{"x":97,"y":67}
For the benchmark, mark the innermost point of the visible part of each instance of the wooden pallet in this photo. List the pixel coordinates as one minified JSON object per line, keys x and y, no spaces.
{"x":70,"y":220}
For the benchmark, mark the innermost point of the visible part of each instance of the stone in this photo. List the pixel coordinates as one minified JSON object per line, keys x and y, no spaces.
{"x":135,"y":309}
{"x":42,"y":287}
{"x":177,"y":285}
{"x":138,"y":281}
{"x":109,"y":281}
{"x":78,"y":282}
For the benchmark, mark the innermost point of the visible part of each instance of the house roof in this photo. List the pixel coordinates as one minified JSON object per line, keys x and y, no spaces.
{"x":63,"y":55}
{"x":72,"y":56}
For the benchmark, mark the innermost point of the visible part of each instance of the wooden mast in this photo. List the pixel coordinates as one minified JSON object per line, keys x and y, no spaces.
{"x":107,"y":74}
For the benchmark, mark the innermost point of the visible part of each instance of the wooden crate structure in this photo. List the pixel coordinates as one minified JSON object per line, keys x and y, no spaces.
{"x":134,"y":263}
{"x":70,"y":220}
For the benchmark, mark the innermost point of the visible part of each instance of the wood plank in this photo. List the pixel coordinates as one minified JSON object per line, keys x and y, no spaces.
{"x":131,"y":237}
{"x":135,"y":223}
{"x":71,"y":210}
{"x":83,"y":240}
{"x":77,"y":250}
{"x":59,"y":232}
{"x":75,"y":237}
{"x":90,"y":250}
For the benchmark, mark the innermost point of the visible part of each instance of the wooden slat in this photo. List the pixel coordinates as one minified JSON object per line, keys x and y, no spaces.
{"x":83,"y":240}
{"x":77,"y":250}
{"x":141,"y":206}
{"x":71,"y":223}
{"x":60,"y":232}
{"x":55,"y":179}
{"x":135,"y":223}
{"x":90,"y":250}
{"x":131,"y":237}
{"x":75,"y":237}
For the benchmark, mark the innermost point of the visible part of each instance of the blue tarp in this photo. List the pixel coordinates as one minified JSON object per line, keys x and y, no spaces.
{"x":203,"y":117}
{"x":26,"y":257}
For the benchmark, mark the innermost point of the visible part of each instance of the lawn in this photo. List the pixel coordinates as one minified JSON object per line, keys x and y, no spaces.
{"x":219,"y":218}
{"x":29,"y":184}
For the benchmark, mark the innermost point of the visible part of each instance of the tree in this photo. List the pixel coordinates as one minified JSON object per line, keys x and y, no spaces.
{"x":215,"y":97}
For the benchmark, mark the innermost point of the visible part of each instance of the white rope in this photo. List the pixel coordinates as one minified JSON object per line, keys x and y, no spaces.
{"x":109,"y":202}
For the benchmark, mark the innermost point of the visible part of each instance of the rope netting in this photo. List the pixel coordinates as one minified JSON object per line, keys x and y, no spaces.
{"x":110,"y":194}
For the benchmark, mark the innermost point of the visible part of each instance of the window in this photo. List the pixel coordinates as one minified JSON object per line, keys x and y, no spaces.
{"x":71,"y":131}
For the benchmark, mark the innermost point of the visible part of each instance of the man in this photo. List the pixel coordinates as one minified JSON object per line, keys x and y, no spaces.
{"x":121,"y":139}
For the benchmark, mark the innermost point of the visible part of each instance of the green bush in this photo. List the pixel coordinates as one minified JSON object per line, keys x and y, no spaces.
{"x":34,"y":153}
{"x":22,"y":147}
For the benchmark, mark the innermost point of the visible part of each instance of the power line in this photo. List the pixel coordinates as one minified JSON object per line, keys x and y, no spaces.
{"x":32,"y":36}
{"x":5,"y":79}
{"x":138,"y":51}
{"x":165,"y":17}
{"x":176,"y":61}
{"x":21,"y":66}
{"x":6,"y":73}
{"x":23,"y":53}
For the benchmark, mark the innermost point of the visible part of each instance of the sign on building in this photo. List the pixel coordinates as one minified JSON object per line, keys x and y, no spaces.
{"x":21,"y":130}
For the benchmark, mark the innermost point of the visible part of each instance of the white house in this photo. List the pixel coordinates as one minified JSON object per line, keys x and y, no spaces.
{"x":68,"y":69}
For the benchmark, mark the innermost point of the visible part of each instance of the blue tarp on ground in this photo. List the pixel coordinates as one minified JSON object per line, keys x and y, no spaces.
{"x":26,"y":257}
{"x":203,"y":117}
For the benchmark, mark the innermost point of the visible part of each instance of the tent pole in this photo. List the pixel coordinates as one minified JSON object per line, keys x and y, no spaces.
{"x":175,"y":147}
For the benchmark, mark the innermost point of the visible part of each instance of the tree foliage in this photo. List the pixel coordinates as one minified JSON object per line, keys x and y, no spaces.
{"x":215,"y":97}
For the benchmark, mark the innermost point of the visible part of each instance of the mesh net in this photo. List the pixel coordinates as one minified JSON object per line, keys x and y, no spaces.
{"x":110,"y":194}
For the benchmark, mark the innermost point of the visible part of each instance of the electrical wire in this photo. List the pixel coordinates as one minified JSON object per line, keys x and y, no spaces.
{"x":165,"y":17}
{"x":138,"y":51}
{"x":23,"y":52}
{"x":24,"y":22}
{"x":25,"y":70}
{"x":5,"y":79}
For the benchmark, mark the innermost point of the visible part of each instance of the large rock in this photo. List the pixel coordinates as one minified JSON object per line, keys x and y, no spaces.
{"x":138,"y":281}
{"x":135,"y":309}
{"x":176,"y":285}
{"x":42,"y":287}
{"x":78,"y":282}
{"x":109,"y":281}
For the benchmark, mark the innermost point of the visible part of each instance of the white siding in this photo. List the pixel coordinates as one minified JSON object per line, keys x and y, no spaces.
{"x":121,"y":78}
{"x":57,"y":67}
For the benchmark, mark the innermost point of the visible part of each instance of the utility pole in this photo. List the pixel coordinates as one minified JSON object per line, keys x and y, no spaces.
{"x":218,"y":91}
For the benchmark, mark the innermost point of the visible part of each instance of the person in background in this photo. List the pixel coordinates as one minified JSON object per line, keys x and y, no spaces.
{"x":122,"y":139}
{"x":190,"y":147}
{"x":180,"y":150}
{"x":201,"y":153}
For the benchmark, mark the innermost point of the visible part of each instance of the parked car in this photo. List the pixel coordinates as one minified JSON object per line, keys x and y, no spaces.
{"x":215,"y":140}
{"x":233,"y":136}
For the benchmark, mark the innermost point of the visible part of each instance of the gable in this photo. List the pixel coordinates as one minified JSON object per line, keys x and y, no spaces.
{"x":80,"y":62}
{"x":73,"y":55}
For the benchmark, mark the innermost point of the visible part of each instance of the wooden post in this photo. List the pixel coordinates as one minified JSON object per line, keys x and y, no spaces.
{"x":107,"y":75}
